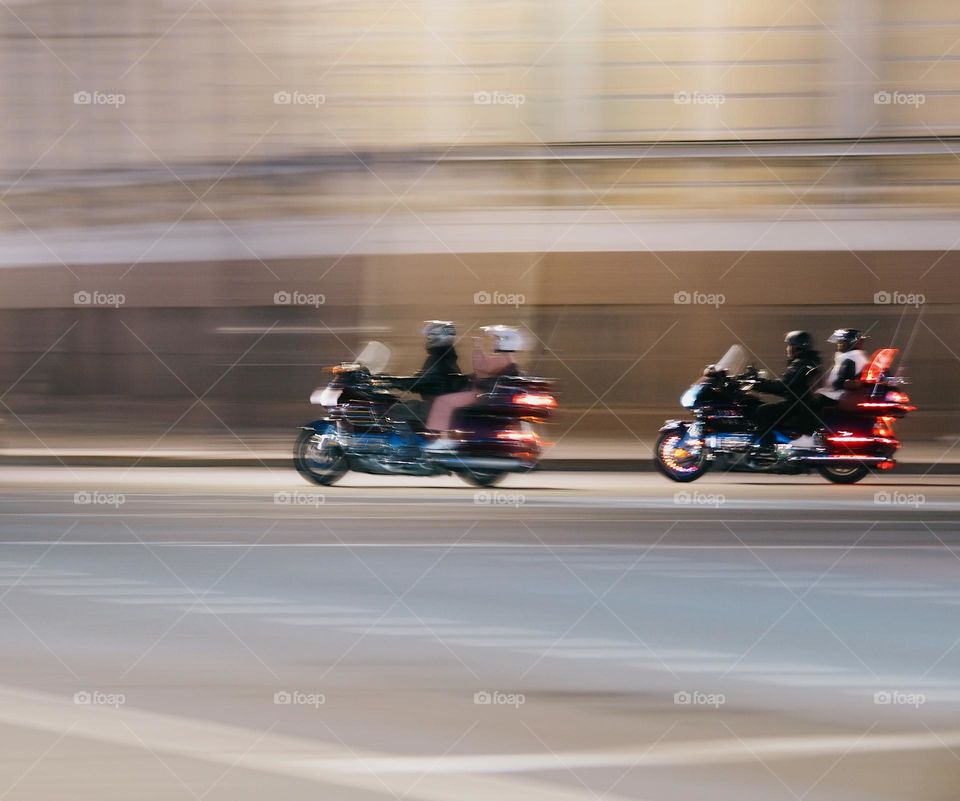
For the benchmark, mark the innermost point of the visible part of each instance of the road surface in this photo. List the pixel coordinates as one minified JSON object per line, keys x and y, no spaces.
{"x":239,"y":634}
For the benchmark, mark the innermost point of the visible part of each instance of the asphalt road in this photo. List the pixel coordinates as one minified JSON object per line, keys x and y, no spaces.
{"x":239,"y":634}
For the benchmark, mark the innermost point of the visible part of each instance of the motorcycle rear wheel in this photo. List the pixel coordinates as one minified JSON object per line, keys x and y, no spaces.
{"x":843,"y":474}
{"x":481,"y":478}
{"x":682,"y":468}
{"x":324,"y":467}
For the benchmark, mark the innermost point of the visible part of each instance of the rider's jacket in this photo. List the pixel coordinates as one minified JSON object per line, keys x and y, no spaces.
{"x":439,"y":375}
{"x":845,"y":367}
{"x":799,"y":380}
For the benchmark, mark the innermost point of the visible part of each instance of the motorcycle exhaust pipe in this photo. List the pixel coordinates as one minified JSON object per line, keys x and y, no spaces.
{"x":482,"y":463}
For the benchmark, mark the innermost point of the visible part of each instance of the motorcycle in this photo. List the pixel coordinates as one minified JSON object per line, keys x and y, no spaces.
{"x":854,"y":437}
{"x":369,"y":429}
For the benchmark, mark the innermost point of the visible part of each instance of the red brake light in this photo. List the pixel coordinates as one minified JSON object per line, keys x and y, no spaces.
{"x":536,"y":400}
{"x":883,"y":427}
{"x":518,"y":436}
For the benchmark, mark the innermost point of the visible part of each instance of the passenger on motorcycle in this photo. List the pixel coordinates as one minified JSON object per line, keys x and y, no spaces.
{"x":848,"y":364}
{"x":796,"y":387}
{"x":493,"y":356}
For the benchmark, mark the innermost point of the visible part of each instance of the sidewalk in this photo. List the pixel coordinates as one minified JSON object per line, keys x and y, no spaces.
{"x":934,"y":457}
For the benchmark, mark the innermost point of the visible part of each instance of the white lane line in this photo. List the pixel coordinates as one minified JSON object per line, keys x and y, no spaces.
{"x":329,"y":763}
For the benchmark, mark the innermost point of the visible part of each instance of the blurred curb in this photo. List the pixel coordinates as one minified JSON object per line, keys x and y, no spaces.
{"x":611,"y":465}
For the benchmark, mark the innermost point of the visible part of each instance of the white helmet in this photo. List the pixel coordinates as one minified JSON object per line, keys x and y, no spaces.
{"x":507,"y":338}
{"x":439,"y":333}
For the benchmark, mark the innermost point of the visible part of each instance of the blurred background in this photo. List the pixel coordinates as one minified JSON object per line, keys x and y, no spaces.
{"x":203,"y":203}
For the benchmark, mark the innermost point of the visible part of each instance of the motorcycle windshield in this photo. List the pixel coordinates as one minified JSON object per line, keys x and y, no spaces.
{"x":375,"y":357}
{"x":733,"y":362}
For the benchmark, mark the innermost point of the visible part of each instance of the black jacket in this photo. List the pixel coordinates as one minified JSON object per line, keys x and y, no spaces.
{"x":799,"y":380}
{"x":439,"y":375}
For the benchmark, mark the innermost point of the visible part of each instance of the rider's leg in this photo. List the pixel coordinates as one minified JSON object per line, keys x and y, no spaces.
{"x":770,"y":416}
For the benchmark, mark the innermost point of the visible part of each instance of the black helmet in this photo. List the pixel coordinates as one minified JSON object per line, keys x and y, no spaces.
{"x":850,"y":338}
{"x":800,"y":340}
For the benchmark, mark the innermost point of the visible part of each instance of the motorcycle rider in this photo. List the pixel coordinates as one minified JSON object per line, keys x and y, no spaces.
{"x":848,"y":363}
{"x":439,"y":375}
{"x":488,"y":367}
{"x":796,"y":387}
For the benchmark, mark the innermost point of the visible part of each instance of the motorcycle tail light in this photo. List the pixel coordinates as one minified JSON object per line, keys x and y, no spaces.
{"x":883,"y":427}
{"x":518,"y":436}
{"x":536,"y":400}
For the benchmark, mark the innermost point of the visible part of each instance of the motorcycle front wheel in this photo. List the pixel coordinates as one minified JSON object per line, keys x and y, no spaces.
{"x":317,"y":460}
{"x":677,"y":462}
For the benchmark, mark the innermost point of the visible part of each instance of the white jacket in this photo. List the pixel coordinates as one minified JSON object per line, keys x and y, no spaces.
{"x":828,"y":387}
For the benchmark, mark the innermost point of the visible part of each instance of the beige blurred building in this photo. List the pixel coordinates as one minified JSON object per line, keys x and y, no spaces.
{"x":585,"y":166}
